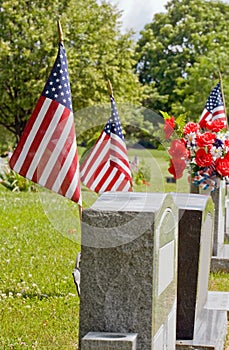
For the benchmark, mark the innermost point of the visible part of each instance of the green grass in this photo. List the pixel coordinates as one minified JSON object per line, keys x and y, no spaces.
{"x":39,"y":305}
{"x":39,"y":242}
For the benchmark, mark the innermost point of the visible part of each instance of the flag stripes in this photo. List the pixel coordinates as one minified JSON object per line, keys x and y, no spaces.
{"x":106,"y":167}
{"x":214,"y":108}
{"x":47,"y":151}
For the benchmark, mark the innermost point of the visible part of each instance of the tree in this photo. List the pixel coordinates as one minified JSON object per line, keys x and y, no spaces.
{"x":95,"y":48}
{"x":173,"y":52}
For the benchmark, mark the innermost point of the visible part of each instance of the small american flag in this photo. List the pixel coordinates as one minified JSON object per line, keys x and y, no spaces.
{"x":47,"y":151}
{"x":214,"y":108}
{"x":107,"y":168}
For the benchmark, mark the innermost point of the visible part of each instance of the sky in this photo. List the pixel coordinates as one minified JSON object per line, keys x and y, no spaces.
{"x":137,"y":13}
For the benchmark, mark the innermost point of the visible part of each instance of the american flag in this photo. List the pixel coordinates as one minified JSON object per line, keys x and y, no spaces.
{"x":47,"y":151}
{"x":214,"y":108}
{"x":106,"y":168}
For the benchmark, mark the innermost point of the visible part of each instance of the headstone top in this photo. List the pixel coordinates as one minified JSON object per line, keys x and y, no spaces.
{"x":190,"y":201}
{"x":129,"y":201}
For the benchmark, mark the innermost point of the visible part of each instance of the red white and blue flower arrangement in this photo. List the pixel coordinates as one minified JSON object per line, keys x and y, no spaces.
{"x":202,"y":147}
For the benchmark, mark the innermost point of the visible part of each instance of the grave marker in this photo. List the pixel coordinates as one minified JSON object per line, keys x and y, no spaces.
{"x":129,"y":268}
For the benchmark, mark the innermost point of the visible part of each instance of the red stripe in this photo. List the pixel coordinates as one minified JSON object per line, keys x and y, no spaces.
{"x":120,"y":157}
{"x":51,"y":146}
{"x":61,"y":159}
{"x":38,"y":137}
{"x":103,"y":179}
{"x":122,"y":184}
{"x":115,"y":165}
{"x":76,"y":194}
{"x":120,"y":144}
{"x":69,"y":176}
{"x":98,"y":147}
{"x":26,"y":131}
{"x":112,"y":182}
{"x":218,"y":112}
{"x":98,"y":170}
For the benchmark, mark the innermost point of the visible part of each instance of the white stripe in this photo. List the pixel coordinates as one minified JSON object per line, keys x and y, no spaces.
{"x":127,"y":187}
{"x":84,"y":166}
{"x":109,"y":179}
{"x":32,"y":134}
{"x":45,"y":140}
{"x":100,"y":175}
{"x":118,"y":182}
{"x":57,"y":151}
{"x":93,"y":166}
{"x":63,"y":171}
{"x":118,"y":150}
{"x":74,"y":184}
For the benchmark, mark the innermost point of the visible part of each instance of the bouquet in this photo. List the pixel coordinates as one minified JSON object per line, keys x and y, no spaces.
{"x":205,"y":152}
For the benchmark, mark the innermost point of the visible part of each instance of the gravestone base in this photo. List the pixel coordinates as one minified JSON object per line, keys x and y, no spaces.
{"x":210,"y":332}
{"x":218,"y":301}
{"x":109,"y":341}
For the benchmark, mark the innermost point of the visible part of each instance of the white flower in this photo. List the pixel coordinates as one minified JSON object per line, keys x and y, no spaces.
{"x":216,"y":152}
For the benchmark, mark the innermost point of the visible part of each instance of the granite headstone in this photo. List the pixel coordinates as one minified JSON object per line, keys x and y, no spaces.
{"x":129,"y":268}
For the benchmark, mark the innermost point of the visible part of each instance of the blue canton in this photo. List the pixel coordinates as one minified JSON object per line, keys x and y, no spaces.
{"x":215,"y":99}
{"x":57,"y":87}
{"x":113,"y":125}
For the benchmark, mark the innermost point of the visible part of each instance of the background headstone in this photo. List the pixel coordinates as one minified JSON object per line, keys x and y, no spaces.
{"x":195,"y":231}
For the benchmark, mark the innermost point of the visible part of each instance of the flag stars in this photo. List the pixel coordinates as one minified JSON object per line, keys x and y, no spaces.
{"x":57,"y":87}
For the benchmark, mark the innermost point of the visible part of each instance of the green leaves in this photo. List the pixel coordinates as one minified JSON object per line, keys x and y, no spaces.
{"x":96,"y":51}
{"x":179,"y":54}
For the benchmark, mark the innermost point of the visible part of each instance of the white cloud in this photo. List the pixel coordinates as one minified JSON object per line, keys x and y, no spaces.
{"x":136,"y":13}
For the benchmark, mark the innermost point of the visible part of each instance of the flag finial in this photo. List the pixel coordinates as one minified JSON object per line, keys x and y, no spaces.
{"x":61,"y":37}
{"x":110,"y":88}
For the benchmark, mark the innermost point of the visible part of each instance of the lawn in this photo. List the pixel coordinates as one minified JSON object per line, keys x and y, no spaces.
{"x":40,"y":238}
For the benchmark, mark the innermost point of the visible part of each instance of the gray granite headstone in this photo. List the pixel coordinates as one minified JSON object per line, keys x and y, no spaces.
{"x":128,"y":268}
{"x":196,"y":225}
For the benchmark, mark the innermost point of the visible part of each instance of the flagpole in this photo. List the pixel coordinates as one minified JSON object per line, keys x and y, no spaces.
{"x":221,"y":87}
{"x":110,"y":88}
{"x":61,"y":40}
{"x":61,"y":36}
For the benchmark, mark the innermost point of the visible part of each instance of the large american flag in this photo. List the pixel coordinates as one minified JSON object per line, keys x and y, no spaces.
{"x":214,"y":108}
{"x":106,"y":167}
{"x":47,"y":151}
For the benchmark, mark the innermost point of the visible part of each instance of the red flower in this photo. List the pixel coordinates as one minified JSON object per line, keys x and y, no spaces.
{"x":226,"y":143}
{"x":169,"y":127}
{"x":177,"y":167}
{"x":222,"y":165}
{"x":216,"y":125}
{"x":191,"y":127}
{"x":177,"y":149}
{"x":205,"y":139}
{"x":203,"y":158}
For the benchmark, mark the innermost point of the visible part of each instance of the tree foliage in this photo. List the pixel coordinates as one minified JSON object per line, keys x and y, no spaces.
{"x":95,"y":47}
{"x":180,"y":52}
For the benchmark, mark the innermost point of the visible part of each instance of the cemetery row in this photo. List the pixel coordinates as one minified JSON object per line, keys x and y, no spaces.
{"x":145,"y":263}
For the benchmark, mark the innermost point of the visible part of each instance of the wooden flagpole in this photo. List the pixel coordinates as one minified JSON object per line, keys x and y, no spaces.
{"x":61,"y":37}
{"x":221,"y":87}
{"x":110,"y":88}
{"x":61,"y":40}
